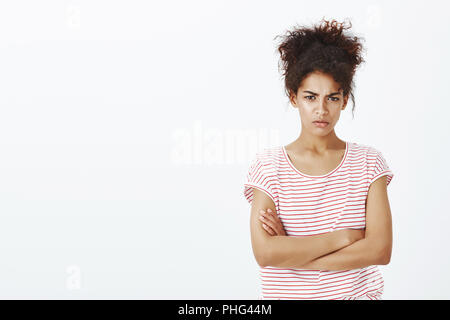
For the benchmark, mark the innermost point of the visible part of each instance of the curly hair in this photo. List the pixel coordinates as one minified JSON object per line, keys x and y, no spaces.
{"x":323,"y":47}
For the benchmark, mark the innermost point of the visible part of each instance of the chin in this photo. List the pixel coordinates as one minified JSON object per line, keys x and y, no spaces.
{"x":322,"y":131}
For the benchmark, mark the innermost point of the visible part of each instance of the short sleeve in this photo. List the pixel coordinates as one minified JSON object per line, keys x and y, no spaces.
{"x":380,"y":168}
{"x":260,"y":175}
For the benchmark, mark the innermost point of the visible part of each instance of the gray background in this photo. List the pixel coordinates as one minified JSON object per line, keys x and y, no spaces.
{"x":127,"y":127}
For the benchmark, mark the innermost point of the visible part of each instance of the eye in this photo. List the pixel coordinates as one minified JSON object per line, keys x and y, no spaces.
{"x":311,"y":98}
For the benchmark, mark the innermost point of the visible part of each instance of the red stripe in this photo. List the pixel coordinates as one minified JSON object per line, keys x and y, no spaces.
{"x":309,"y":205}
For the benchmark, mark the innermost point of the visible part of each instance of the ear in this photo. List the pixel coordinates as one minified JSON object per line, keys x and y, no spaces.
{"x":345,"y":102}
{"x":293,"y":99}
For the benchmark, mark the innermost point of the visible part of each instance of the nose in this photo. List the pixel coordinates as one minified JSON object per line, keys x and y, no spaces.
{"x":322,"y":107}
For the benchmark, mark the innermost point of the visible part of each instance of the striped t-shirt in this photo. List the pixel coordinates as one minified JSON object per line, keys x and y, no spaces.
{"x":311,"y":205}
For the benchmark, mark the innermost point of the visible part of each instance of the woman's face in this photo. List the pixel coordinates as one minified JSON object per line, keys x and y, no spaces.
{"x":319,"y":98}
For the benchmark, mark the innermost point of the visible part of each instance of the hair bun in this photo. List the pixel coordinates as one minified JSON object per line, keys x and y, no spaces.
{"x":325,"y":47}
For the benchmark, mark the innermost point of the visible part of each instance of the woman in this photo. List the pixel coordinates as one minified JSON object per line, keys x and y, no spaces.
{"x":320,"y":218}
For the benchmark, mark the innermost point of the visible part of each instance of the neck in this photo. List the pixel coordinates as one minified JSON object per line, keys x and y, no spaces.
{"x":318,"y":144}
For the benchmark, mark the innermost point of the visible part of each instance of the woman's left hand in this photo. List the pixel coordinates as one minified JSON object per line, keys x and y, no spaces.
{"x":271,"y":223}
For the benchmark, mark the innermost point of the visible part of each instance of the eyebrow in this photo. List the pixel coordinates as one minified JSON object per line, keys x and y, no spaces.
{"x":313,"y":93}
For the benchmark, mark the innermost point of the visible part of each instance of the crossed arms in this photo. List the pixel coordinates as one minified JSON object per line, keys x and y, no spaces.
{"x":339,"y":250}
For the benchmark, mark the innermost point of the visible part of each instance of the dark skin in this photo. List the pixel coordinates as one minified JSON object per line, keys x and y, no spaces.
{"x":272,"y":223}
{"x":317,"y":145}
{"x":316,"y":152}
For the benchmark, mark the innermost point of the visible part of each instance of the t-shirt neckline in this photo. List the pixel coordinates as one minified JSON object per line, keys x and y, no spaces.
{"x":347,"y":146}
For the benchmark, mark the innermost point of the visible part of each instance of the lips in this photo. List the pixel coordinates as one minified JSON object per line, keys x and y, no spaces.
{"x":320,"y":124}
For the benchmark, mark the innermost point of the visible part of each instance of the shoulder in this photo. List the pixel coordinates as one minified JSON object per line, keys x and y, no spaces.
{"x":263,"y":173}
{"x":369,"y":156}
{"x":269,"y":156}
{"x":267,"y":160}
{"x":375,"y":163}
{"x":366,"y":150}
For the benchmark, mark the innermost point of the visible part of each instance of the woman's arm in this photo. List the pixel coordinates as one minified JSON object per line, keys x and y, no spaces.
{"x":375,"y":248}
{"x":291,"y":252}
{"x":360,"y":254}
{"x":294,"y":252}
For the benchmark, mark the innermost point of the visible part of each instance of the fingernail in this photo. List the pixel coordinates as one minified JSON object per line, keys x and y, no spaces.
{"x":269,"y":210}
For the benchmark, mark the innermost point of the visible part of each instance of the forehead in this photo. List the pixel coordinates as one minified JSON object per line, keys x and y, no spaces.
{"x":319,"y":82}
